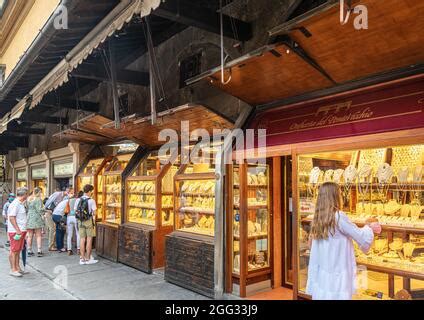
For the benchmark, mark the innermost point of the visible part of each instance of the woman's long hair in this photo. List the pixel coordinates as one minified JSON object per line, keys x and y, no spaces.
{"x":328,"y":203}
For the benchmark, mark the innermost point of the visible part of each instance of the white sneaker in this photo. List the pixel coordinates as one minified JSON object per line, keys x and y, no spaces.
{"x":23,"y":272}
{"x":91,"y":261}
{"x":15,"y":274}
{"x":82,"y":262}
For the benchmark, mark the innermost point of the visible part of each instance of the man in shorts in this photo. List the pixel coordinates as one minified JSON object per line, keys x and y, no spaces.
{"x":87,"y":228}
{"x":16,"y":228}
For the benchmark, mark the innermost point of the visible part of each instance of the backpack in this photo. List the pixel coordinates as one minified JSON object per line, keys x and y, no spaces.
{"x":83,"y":212}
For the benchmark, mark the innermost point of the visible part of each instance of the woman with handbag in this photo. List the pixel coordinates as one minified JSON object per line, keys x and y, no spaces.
{"x":35,"y":221}
{"x":59,"y":217}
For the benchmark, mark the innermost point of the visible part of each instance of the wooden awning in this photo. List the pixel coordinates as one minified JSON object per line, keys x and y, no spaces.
{"x":96,"y":129}
{"x":394,"y":39}
{"x":315,"y":52}
{"x":90,"y":130}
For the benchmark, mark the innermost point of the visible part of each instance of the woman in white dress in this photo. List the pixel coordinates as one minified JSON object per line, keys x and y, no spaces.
{"x":332,"y":264}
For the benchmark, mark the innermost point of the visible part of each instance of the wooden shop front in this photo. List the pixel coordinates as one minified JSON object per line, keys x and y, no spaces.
{"x":352,"y":140}
{"x":311,"y":101}
{"x":147,"y":221}
{"x":157,"y":231}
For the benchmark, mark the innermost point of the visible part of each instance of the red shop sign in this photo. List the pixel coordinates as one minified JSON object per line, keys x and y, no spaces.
{"x":389,"y":109}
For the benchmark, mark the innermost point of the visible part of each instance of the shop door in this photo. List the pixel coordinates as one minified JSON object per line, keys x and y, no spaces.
{"x":63,"y":183}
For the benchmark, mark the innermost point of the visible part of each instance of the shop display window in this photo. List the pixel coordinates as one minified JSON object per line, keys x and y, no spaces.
{"x":251,"y":218}
{"x":112,"y":188}
{"x":195,"y":195}
{"x":92,"y":174}
{"x":383,"y":183}
{"x":150,"y":191}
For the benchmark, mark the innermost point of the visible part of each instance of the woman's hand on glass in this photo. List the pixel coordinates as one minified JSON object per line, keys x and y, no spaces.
{"x":376,"y":227}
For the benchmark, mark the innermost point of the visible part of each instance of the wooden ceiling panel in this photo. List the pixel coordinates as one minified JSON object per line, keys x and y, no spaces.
{"x":276,"y":74}
{"x":96,"y":129}
{"x":199,"y":117}
{"x":394,"y":39}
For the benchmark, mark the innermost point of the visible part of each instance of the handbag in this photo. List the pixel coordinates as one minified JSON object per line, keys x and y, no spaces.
{"x":51,"y":206}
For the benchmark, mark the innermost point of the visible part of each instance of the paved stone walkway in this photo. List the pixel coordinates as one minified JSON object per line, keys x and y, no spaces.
{"x":57,"y":276}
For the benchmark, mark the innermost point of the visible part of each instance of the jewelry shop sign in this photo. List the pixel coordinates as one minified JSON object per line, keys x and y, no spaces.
{"x":38,"y":173}
{"x":63,"y":169}
{"x":382,"y":110}
{"x":21,"y":175}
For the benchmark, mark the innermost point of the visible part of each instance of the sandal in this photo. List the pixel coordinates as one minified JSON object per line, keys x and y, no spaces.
{"x":39,"y":254}
{"x":30,"y":253}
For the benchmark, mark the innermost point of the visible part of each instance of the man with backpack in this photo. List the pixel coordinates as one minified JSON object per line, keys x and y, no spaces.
{"x":85,"y":213}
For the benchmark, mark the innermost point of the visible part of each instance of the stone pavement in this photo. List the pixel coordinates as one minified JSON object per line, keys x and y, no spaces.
{"x":102,"y":281}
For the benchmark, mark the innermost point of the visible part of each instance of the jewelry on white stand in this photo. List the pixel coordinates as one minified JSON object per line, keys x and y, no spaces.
{"x":349,"y":176}
{"x":384,"y":176}
{"x":402,"y":178}
{"x":313,"y":181}
{"x":337,"y":175}
{"x":417,"y":179}
{"x":364,"y":180}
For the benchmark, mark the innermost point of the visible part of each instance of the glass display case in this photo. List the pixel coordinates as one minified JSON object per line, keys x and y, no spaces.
{"x":383,"y":183}
{"x":195,"y":195}
{"x":92,"y":174}
{"x":149,"y":191}
{"x":250,"y":200}
{"x":112,"y":188}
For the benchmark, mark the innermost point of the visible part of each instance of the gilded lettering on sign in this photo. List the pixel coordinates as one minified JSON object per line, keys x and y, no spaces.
{"x":333,"y":118}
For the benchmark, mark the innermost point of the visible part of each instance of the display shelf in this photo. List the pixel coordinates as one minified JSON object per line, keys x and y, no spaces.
{"x":250,"y":223}
{"x":112,"y":188}
{"x":395,"y":271}
{"x":91,"y":172}
{"x":149,"y":190}
{"x":383,"y":267}
{"x":195,"y":199}
{"x":384,"y":227}
{"x":196,"y":210}
{"x":253,"y":237}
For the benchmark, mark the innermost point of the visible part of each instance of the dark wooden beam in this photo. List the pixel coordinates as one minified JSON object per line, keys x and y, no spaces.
{"x":27,"y":130}
{"x":70,"y":104}
{"x":122,"y":76}
{"x":8,"y":145}
{"x":44,"y":119}
{"x":19,"y":142}
{"x":183,"y":11}
{"x":158,"y":39}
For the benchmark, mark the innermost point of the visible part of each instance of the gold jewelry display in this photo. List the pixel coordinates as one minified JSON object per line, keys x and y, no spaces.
{"x":328,"y":175}
{"x":349,"y":175}
{"x":364,"y":180}
{"x":384,"y":177}
{"x":337,"y":175}
{"x":314,"y":176}
{"x":372,"y":157}
{"x":408,"y":250}
{"x":392,"y":207}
